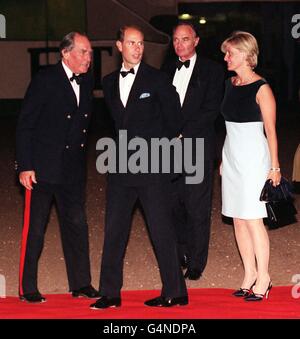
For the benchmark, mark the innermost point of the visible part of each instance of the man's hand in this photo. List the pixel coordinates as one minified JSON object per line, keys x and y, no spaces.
{"x":26,"y":178}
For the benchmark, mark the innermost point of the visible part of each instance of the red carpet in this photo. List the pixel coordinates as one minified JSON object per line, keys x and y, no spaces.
{"x":204,"y":304}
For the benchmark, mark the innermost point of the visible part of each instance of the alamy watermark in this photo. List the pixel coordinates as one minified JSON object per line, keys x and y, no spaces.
{"x":2,"y":27}
{"x":2,"y":286}
{"x":296,"y":28}
{"x":296,"y":288}
{"x":159,"y":155}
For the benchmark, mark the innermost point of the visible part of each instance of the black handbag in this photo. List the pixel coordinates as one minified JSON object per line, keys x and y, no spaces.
{"x":279,"y":203}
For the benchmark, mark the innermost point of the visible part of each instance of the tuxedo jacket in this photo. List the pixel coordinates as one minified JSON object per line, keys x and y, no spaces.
{"x":52,"y":130}
{"x":152,"y":111}
{"x":202,"y":101}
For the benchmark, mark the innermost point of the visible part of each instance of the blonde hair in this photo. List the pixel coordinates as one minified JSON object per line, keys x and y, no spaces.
{"x":245,"y":42}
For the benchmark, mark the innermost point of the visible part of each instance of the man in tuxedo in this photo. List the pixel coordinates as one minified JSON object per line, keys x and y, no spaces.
{"x":143,"y":103}
{"x":51,"y":146}
{"x":199,"y":83}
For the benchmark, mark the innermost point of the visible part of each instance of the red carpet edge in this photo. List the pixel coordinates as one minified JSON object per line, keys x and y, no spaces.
{"x":207,"y":303}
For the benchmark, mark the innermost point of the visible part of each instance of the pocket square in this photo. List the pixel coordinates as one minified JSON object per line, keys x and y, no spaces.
{"x":144,"y":95}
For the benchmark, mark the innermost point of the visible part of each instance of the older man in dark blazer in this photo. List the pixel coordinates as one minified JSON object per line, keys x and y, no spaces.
{"x":51,"y":142}
{"x":199,"y":83}
{"x":143,"y":103}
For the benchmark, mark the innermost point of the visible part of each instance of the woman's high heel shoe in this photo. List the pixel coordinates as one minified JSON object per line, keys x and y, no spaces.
{"x":243,"y":292}
{"x":257,"y":296}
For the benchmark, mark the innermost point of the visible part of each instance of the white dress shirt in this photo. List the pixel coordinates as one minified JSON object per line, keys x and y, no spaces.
{"x":73,"y":83}
{"x":125,"y":83}
{"x":182,"y":78}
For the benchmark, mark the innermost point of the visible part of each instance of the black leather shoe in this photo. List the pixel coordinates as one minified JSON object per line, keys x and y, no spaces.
{"x":33,"y":297}
{"x":167,"y":302}
{"x":87,"y":292}
{"x":106,"y":302}
{"x":192,"y":274}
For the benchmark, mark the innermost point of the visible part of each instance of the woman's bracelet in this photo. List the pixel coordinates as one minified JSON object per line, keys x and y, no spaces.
{"x":275,"y":169}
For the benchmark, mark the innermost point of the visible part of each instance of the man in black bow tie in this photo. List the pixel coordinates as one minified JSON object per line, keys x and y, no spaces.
{"x":51,"y":142}
{"x":199,"y":83}
{"x":143,"y":102}
{"x":125,"y":73}
{"x":77,"y":78}
{"x":185,"y":63}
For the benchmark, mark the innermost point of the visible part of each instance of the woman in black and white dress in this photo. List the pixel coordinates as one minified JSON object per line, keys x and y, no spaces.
{"x":249,"y":157}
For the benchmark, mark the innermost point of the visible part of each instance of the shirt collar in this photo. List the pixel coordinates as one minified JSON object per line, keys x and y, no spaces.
{"x":67,"y":70}
{"x":192,"y":61}
{"x":136,"y":67}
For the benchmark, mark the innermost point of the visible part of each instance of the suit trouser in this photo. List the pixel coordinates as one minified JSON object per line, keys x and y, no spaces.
{"x":70,"y":201}
{"x":155,"y":200}
{"x":192,"y":217}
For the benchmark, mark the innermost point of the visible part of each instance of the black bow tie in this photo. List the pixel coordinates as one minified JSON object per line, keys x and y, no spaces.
{"x":185,"y":63}
{"x":124,"y":73}
{"x":77,"y":78}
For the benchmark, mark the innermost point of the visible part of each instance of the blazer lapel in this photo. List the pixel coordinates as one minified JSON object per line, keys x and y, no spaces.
{"x":195,"y":82}
{"x":84,"y":93}
{"x":172,"y":70}
{"x":136,"y":86}
{"x":116,"y":97}
{"x":116,"y":102}
{"x":67,"y":87}
{"x":134,"y":92}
